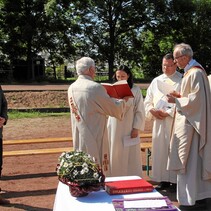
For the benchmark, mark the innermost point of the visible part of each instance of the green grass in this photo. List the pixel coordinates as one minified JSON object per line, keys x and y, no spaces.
{"x":144,"y":92}
{"x":34,"y":114}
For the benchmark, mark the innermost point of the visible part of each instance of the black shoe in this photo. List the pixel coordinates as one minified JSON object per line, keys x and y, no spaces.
{"x":196,"y":207}
{"x":173,"y":188}
{"x":199,"y":205}
{"x":162,"y":186}
{"x":202,"y":201}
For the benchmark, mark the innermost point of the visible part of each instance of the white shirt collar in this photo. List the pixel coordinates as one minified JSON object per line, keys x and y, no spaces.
{"x":189,"y":65}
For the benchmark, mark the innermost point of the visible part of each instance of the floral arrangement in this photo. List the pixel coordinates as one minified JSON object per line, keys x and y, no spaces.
{"x":78,"y":168}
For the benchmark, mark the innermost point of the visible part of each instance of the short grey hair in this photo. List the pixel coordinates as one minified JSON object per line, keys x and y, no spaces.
{"x":184,"y":49}
{"x":83,"y":64}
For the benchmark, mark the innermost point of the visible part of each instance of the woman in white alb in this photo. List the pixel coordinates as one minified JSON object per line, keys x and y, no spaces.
{"x":126,"y":160}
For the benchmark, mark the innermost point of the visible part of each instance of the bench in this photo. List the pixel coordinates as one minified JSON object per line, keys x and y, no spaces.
{"x":144,"y":146}
{"x":37,"y":141}
{"x":36,"y":151}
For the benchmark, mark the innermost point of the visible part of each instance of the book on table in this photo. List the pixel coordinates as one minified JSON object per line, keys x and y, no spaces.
{"x":119,"y":89}
{"x":144,"y":204}
{"x":128,"y":186}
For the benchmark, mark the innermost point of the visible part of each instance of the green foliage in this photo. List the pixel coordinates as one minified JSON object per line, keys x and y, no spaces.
{"x":137,"y":33}
{"x":144,"y":92}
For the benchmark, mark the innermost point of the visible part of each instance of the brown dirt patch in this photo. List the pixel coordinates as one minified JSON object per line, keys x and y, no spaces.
{"x":37,"y":99}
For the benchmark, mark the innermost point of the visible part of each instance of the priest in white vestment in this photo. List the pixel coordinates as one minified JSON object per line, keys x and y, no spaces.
{"x":90,"y":105}
{"x":190,"y":152}
{"x":125,"y":159}
{"x":161,"y":113}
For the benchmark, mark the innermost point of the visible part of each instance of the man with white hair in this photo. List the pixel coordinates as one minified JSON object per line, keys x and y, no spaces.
{"x":90,"y":105}
{"x":190,"y":150}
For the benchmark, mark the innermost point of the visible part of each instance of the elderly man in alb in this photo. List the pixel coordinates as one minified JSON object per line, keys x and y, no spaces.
{"x":190,"y":148}
{"x":90,"y":105}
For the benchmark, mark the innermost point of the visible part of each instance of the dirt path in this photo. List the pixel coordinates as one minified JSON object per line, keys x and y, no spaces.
{"x":30,"y":182}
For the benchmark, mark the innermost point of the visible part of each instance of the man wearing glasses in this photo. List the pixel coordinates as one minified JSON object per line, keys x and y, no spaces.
{"x":190,"y":148}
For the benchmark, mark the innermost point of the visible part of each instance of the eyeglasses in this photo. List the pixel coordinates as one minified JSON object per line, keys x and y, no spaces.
{"x":178,"y":57}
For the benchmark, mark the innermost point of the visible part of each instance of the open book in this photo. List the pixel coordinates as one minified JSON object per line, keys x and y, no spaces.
{"x":165,"y":88}
{"x":119,"y":90}
{"x":161,"y":203}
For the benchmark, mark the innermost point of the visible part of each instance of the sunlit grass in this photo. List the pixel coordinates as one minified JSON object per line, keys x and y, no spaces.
{"x":34,"y":114}
{"x":144,"y":92}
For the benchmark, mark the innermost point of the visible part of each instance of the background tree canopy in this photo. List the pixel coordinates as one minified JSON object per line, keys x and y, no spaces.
{"x":136,"y":32}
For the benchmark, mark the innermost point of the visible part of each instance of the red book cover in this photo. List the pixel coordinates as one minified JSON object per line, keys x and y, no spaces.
{"x":119,"y":90}
{"x":128,"y":186}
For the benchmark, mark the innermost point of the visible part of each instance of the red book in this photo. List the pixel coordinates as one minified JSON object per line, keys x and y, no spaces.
{"x":128,"y":186}
{"x":119,"y":90}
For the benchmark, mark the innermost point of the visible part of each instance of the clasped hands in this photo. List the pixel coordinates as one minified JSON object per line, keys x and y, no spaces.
{"x":159,"y":113}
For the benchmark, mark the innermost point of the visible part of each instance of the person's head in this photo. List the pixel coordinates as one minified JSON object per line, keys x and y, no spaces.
{"x":183,"y":53}
{"x":85,"y":66}
{"x":168,"y":65}
{"x":123,"y":73}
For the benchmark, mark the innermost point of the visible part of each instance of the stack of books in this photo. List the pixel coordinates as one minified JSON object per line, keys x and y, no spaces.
{"x":139,"y":185}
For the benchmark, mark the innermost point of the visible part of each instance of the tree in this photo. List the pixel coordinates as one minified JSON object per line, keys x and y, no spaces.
{"x":61,"y":40}
{"x":174,"y":22}
{"x":22,"y":22}
{"x":30,"y":28}
{"x":112,"y":32}
{"x":107,"y":23}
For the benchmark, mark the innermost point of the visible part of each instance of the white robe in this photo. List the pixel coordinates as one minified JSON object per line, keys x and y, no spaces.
{"x":161,"y":128}
{"x":90,"y":104}
{"x":209,"y":77}
{"x":190,"y":147}
{"x":126,"y":161}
